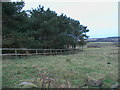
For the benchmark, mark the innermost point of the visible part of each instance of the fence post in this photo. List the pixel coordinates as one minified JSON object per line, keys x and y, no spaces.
{"x":56,"y":51}
{"x":50,"y":51}
{"x":16,"y":53}
{"x":62,"y":51}
{"x":27,"y":52}
{"x":36,"y":51}
{"x":71,"y":50}
{"x":43,"y":51}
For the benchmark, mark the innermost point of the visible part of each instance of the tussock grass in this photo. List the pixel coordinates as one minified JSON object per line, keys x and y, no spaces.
{"x":91,"y":62}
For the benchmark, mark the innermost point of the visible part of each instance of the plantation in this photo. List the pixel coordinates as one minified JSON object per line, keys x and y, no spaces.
{"x":63,"y":71}
{"x":39,"y":28}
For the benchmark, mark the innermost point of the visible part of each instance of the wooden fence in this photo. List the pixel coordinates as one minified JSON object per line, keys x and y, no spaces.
{"x":26,"y":52}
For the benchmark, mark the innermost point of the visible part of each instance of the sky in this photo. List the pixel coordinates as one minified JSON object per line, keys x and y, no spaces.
{"x":100,"y":16}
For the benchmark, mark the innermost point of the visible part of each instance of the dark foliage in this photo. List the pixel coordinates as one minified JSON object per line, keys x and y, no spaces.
{"x":39,"y":28}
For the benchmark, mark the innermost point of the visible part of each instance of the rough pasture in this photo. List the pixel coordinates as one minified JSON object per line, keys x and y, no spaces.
{"x":70,"y":70}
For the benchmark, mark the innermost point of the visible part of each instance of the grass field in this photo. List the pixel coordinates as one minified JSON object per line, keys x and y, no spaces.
{"x":65,"y":70}
{"x":102,"y":43}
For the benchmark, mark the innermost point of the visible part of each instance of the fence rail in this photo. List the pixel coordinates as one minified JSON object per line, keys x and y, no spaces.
{"x":27,"y":52}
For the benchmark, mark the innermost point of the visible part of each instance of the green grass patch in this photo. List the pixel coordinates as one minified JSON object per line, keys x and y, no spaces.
{"x":72,"y":68}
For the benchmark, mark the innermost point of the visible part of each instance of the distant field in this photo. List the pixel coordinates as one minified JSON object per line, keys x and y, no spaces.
{"x":102,"y":43}
{"x":65,"y":70}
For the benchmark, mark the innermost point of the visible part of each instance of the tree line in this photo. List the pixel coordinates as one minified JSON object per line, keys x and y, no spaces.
{"x":39,"y":28}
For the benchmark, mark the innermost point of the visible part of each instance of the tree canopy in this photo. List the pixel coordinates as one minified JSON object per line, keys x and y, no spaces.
{"x":39,"y":28}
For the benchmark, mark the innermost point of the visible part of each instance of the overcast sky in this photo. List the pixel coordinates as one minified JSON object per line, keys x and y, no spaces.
{"x":101,"y":16}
